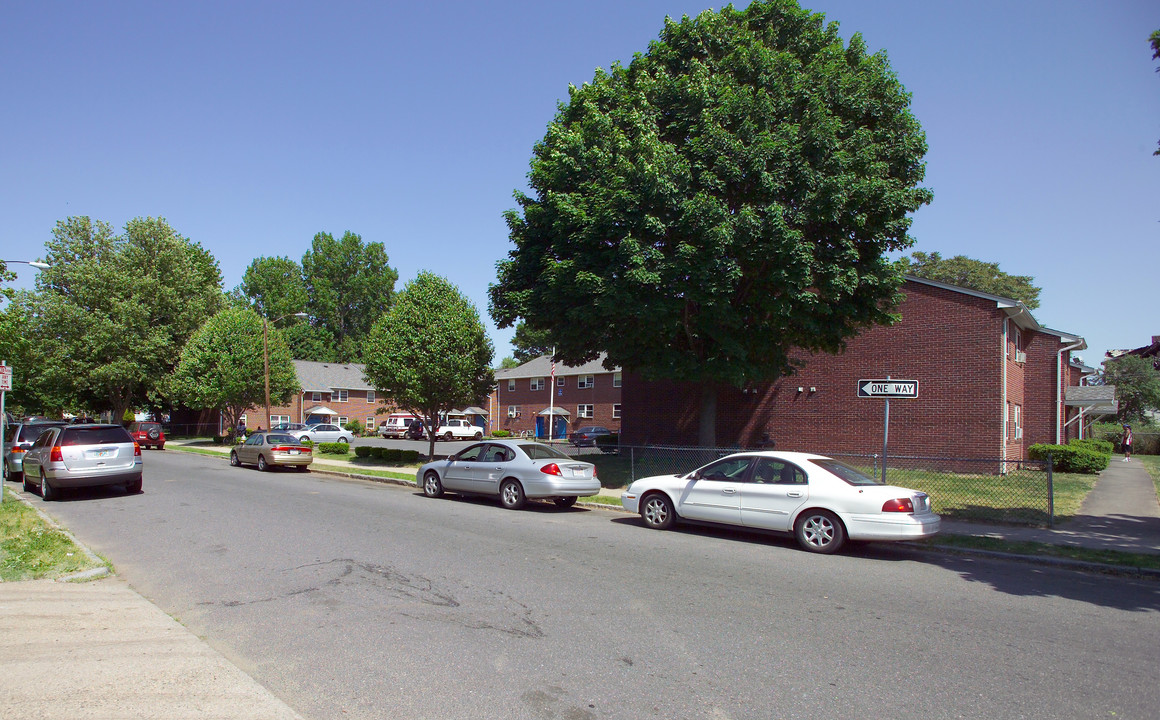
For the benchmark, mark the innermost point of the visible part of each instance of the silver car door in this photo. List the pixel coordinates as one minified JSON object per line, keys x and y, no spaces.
{"x":495,"y":466}
{"x":458,"y":473}
{"x":776,"y":490}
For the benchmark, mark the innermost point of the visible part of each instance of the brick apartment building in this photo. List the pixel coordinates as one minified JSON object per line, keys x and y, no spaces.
{"x":525,"y":396}
{"x":330,"y":392}
{"x":992,"y":382}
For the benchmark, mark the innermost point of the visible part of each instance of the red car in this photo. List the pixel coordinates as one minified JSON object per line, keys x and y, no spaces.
{"x":148,"y":434}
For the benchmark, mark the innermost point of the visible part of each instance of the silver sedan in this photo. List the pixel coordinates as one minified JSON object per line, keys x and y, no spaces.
{"x":514,"y":471}
{"x":324,"y":434}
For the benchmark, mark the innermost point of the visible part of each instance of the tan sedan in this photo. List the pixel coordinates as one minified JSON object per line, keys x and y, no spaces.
{"x":267,"y":450}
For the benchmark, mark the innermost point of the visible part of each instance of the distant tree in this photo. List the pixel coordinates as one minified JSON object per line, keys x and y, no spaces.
{"x":725,"y":200}
{"x":430,"y":352}
{"x":32,"y":393}
{"x":113,"y":312}
{"x":1137,"y":386}
{"x":222,"y":367}
{"x":349,"y":284}
{"x":529,"y":344}
{"x":974,"y":274}
{"x":276,"y":287}
{"x":509,"y":362}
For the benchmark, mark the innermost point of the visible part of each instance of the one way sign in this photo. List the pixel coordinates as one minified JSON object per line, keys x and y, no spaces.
{"x":888,"y":389}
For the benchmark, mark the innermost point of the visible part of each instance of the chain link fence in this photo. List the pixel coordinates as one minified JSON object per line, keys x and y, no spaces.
{"x":977,"y":489}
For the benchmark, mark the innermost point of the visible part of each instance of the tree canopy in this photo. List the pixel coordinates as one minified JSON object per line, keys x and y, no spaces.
{"x":429,"y":353}
{"x":528,"y":344}
{"x":975,"y":274}
{"x":1137,"y":386}
{"x":726,"y":198}
{"x":222,"y":367}
{"x":112,"y":312}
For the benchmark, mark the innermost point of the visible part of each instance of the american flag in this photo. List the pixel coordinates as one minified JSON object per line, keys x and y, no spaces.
{"x":553,"y":368}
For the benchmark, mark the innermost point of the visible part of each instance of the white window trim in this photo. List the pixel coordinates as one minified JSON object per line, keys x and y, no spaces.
{"x":560,"y":381}
{"x":316,"y":397}
{"x":582,"y":413}
{"x":370,"y":395}
{"x":616,"y":411}
{"x":342,"y":420}
{"x":340,"y":396}
{"x":536,"y":384}
{"x":511,"y":384}
{"x":616,"y":380}
{"x":585,"y":382}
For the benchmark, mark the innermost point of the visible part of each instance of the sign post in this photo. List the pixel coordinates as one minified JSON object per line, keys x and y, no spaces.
{"x":886,"y":389}
{"x":5,"y":386}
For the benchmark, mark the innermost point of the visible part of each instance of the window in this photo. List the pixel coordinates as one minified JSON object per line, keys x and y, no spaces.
{"x":537,"y":384}
{"x":560,"y":382}
{"x":584,"y":411}
{"x":370,"y":395}
{"x":513,"y":411}
{"x":616,"y":411}
{"x":511,"y":384}
{"x":242,"y":420}
{"x":277,"y":419}
{"x":725,"y":470}
{"x":371,"y":423}
{"x":1016,"y":426}
{"x":584,"y":381}
{"x":769,"y":471}
{"x":340,"y":395}
{"x":615,"y":379}
{"x":316,"y":397}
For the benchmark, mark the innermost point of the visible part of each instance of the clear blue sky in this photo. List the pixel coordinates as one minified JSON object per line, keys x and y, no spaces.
{"x":251,"y":126}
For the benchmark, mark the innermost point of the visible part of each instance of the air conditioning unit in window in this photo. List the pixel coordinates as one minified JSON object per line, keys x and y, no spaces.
{"x":512,"y":413}
{"x":1020,"y":356}
{"x":1019,"y":433}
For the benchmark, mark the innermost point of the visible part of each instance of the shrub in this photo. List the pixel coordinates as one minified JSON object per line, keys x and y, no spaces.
{"x":220,"y":439}
{"x":354,"y":426}
{"x":410,"y":457}
{"x":1100,"y":446}
{"x":339,"y":448}
{"x":1070,"y":458}
{"x":363,"y":451}
{"x":501,"y":433}
{"x":392,"y":454}
{"x":377,"y":453}
{"x":307,"y":443}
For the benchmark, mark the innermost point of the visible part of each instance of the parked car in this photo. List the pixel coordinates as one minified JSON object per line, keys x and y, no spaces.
{"x":397,"y":424}
{"x":288,"y":427}
{"x":513,"y":470}
{"x":75,"y":456}
{"x":820,"y":500}
{"x":18,"y":438}
{"x":417,"y":431}
{"x":458,"y":430}
{"x":148,"y":434}
{"x":586,"y":436}
{"x":324,"y":433}
{"x":267,"y":450}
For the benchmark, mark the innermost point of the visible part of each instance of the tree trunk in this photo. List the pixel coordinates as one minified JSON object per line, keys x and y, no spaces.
{"x":707,"y":432}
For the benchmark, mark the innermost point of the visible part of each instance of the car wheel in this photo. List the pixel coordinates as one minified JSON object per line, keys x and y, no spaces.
{"x":478,"y":436}
{"x":565,"y":502}
{"x":511,"y":494}
{"x":447,"y":436}
{"x":47,"y":493}
{"x":134,"y":487}
{"x":27,"y":485}
{"x":657,"y":511}
{"x":344,"y":440}
{"x":304,"y":438}
{"x":819,"y":531}
{"x":262,"y":466}
{"x":161,"y":446}
{"x":234,"y":458}
{"x":432,"y":487}
{"x":303,"y":468}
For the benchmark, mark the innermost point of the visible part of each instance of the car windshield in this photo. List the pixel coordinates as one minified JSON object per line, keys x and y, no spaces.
{"x":281,"y":440}
{"x":94,"y":435}
{"x":851,"y":475}
{"x":542,"y":452}
{"x":29,"y":433}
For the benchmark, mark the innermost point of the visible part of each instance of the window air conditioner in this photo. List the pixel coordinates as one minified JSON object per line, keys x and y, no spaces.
{"x":1020,"y":356}
{"x":512,"y":413}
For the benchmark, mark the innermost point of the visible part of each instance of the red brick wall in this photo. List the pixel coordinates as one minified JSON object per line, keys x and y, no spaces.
{"x":602,"y":396}
{"x":952,"y":343}
{"x":356,"y":407}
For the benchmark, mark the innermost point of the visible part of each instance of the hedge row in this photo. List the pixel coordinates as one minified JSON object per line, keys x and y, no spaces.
{"x":394,"y":455}
{"x":339,"y":448}
{"x":1101,"y":446}
{"x":1071,"y":458}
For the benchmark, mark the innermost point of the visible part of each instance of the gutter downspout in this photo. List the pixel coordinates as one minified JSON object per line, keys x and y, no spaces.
{"x":1059,"y":388}
{"x":1003,"y":402}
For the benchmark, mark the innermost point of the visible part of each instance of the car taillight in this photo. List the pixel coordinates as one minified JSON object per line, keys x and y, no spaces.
{"x":17,"y":450}
{"x":898,"y":505}
{"x":55,"y":455}
{"x":551,"y":469}
{"x":136,"y":449}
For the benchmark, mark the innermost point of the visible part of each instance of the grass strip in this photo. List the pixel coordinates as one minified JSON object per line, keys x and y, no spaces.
{"x":30,"y":549}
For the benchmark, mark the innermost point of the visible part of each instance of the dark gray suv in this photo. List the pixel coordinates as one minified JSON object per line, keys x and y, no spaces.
{"x":82,"y":456}
{"x":17,"y":440}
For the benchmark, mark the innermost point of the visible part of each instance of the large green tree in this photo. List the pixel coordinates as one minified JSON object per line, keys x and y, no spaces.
{"x":1137,"y":384}
{"x":430,"y":352}
{"x":222,"y":367}
{"x":529,"y":344}
{"x":970,"y":273}
{"x":727,"y":198}
{"x":349,"y":284}
{"x":113,"y":312}
{"x":276,"y":289}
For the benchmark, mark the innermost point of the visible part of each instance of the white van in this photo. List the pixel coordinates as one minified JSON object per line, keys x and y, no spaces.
{"x":396,"y":425}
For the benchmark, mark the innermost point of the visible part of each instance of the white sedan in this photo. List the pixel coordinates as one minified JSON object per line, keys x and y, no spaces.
{"x":324,"y":433}
{"x":820,"y":500}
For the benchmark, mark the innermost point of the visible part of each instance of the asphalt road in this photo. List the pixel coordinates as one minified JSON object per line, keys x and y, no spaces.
{"x":360,"y":600}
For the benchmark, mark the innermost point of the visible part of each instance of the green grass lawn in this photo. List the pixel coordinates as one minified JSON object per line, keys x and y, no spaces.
{"x":30,"y":549}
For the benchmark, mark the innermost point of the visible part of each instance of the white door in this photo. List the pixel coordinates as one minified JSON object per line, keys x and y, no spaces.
{"x":713,"y":493}
{"x":776,"y":489}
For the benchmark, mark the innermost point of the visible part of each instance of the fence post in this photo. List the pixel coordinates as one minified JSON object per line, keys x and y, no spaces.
{"x":1050,"y":494}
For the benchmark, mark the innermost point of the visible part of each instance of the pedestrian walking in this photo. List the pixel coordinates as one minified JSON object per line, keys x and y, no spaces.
{"x":1126,"y":443}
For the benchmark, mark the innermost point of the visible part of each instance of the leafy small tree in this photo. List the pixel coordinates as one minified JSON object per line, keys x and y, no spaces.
{"x":509,"y":362}
{"x":429,"y":353}
{"x":726,"y":199}
{"x":529,"y":344}
{"x":222,"y":367}
{"x":1137,"y":384}
{"x":975,"y":274}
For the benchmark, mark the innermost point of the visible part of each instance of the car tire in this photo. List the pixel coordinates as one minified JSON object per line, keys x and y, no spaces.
{"x":303,"y":468}
{"x":565,"y":502}
{"x":478,"y":436}
{"x":657,"y":511}
{"x":134,"y":487}
{"x":432,"y":486}
{"x":304,"y":438}
{"x":344,"y":440}
{"x":161,"y":446}
{"x":262,"y":466}
{"x":819,"y":531}
{"x":511,"y":494}
{"x":47,"y":493}
{"x":234,"y":459}
{"x":27,"y":485}
{"x":448,"y":436}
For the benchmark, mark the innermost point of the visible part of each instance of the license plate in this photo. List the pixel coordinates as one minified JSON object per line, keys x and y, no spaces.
{"x":292,"y":452}
{"x":103,"y":453}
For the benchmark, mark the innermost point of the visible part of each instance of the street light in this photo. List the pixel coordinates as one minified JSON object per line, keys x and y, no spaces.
{"x":266,"y":353}
{"x":34,"y":263}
